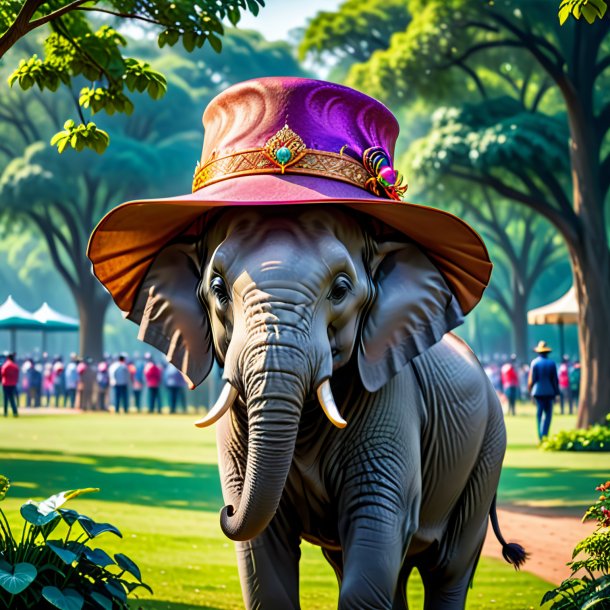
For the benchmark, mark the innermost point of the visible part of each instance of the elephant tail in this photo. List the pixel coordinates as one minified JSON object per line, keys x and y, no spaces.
{"x":512,"y":552}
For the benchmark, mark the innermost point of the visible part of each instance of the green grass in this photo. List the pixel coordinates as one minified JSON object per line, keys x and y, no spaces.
{"x":159,"y":485}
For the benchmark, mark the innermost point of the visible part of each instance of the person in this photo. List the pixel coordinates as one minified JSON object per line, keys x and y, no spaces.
{"x":103,"y":382}
{"x":544,"y":387}
{"x":136,"y":370}
{"x":119,"y":380}
{"x":575,"y":380}
{"x":152,"y":376}
{"x":34,"y":375}
{"x":71,"y":380}
{"x":85,"y":385}
{"x":47,"y":383}
{"x":59,"y":380}
{"x":565,"y":391}
{"x":510,"y":382}
{"x":176,"y":387}
{"x":9,"y":374}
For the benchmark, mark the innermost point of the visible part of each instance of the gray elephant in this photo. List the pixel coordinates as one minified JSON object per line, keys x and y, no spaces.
{"x":350,"y":417}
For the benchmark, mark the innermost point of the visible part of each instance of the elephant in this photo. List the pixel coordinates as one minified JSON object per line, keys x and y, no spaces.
{"x":351,"y":416}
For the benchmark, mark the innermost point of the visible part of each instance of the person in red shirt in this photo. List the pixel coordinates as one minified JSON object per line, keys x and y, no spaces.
{"x":565,"y":390}
{"x":10,"y":377}
{"x":510,"y":383}
{"x":153,"y":375}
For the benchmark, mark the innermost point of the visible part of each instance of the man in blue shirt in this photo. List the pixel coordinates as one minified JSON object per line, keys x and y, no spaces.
{"x":544,"y":387}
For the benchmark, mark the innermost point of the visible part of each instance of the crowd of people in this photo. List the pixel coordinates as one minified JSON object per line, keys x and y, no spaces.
{"x":541,"y":379}
{"x":120,"y":383}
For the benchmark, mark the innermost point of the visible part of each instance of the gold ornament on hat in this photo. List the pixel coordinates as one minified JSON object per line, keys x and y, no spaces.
{"x":284,"y":148}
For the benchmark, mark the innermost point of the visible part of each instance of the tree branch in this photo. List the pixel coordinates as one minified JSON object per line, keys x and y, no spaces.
{"x":19,"y":27}
{"x":540,"y":206}
{"x":117,"y":14}
{"x":56,"y":14}
{"x":475,"y":77}
{"x":57,"y":262}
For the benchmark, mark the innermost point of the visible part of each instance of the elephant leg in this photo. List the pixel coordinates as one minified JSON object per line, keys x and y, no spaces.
{"x":269,"y":567}
{"x":446,"y":580}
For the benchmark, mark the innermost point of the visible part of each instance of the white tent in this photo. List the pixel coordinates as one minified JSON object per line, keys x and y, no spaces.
{"x":13,"y":318}
{"x":562,"y":311}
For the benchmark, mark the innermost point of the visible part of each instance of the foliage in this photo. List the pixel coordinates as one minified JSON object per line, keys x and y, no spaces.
{"x":75,"y":50}
{"x":593,"y":438}
{"x":64,"y":573}
{"x":589,"y":9}
{"x":592,"y":590}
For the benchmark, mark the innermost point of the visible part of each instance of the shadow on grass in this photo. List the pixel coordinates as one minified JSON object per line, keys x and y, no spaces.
{"x":143,"y":481}
{"x":558,"y":490}
{"x":163,"y":605}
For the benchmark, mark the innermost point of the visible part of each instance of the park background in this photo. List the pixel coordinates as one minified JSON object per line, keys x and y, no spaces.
{"x":467,"y":137}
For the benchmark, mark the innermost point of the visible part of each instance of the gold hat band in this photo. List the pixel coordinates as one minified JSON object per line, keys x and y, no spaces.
{"x":257,"y":161}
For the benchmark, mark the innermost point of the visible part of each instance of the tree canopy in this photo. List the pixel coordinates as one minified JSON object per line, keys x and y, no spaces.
{"x":82,"y":48}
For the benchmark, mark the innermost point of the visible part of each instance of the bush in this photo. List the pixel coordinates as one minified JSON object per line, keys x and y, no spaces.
{"x":593,"y":589}
{"x":594,"y":438}
{"x":65,"y":572}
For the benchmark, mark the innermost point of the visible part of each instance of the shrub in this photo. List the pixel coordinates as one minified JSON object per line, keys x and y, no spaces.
{"x":64,"y":573}
{"x":594,"y":438}
{"x":592,"y":590}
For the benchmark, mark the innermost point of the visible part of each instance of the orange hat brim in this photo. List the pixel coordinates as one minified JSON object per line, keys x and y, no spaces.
{"x":126,"y":241}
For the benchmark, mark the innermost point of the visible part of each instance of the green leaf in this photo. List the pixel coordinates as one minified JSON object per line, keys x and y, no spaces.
{"x":115,"y":589}
{"x":66,"y":555}
{"x":68,"y":599}
{"x":18,"y":578}
{"x":4,"y":486}
{"x":29,"y":511}
{"x":188,"y":40}
{"x":93,"y":529}
{"x":128,"y":565}
{"x":103,"y":601}
{"x":215,"y":42}
{"x":67,"y":514}
{"x":99,"y":557}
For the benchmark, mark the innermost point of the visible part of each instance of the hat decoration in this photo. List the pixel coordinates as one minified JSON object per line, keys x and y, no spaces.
{"x":286,"y":149}
{"x":384,"y":180}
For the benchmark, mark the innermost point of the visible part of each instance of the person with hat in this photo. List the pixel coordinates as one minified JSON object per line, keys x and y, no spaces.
{"x":543,"y":385}
{"x":293,"y":240}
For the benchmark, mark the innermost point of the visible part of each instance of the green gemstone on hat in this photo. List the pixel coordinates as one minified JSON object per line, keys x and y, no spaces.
{"x":283,"y":155}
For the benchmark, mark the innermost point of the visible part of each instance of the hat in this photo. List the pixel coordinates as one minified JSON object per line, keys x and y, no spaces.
{"x":542,"y":348}
{"x":289,"y":141}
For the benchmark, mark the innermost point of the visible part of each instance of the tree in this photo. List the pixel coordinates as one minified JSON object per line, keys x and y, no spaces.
{"x":448,"y":45}
{"x":75,"y":50}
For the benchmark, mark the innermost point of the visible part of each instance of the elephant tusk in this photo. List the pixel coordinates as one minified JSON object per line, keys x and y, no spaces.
{"x":223,"y":404}
{"x":327,"y":401}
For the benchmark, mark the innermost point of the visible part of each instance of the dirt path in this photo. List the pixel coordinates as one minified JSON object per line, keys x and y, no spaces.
{"x":548,"y":539}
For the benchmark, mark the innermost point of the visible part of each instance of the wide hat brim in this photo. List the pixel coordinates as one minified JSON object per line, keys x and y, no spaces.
{"x":544,"y":349}
{"x":127,"y":240}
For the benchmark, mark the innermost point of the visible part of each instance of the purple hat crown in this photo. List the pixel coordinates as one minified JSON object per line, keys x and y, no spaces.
{"x":303,"y":126}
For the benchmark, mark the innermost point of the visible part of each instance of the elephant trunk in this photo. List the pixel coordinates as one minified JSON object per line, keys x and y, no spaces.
{"x":276,"y":382}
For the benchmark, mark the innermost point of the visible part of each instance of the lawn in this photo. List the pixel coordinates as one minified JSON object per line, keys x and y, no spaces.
{"x":159,"y":485}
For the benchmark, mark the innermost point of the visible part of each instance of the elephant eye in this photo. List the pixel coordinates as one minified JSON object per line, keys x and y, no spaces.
{"x":219,"y":289}
{"x":342,"y":286}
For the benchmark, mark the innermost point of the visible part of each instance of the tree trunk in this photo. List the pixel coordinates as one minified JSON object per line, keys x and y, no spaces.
{"x":92,"y":306}
{"x":520,"y":326}
{"x":591,"y":264}
{"x":593,"y":292}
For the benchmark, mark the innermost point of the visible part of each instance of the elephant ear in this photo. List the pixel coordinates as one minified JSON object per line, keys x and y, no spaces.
{"x":169,"y":313}
{"x":412,"y":310}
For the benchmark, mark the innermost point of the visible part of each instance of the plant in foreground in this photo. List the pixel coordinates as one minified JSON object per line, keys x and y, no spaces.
{"x":39,"y":573}
{"x":592,"y":589}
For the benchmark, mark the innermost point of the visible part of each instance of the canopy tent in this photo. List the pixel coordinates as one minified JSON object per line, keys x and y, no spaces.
{"x":13,"y":317}
{"x":562,"y":311}
{"x":54,"y":322}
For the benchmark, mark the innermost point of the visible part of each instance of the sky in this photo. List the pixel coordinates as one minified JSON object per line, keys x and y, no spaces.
{"x":278,"y":17}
